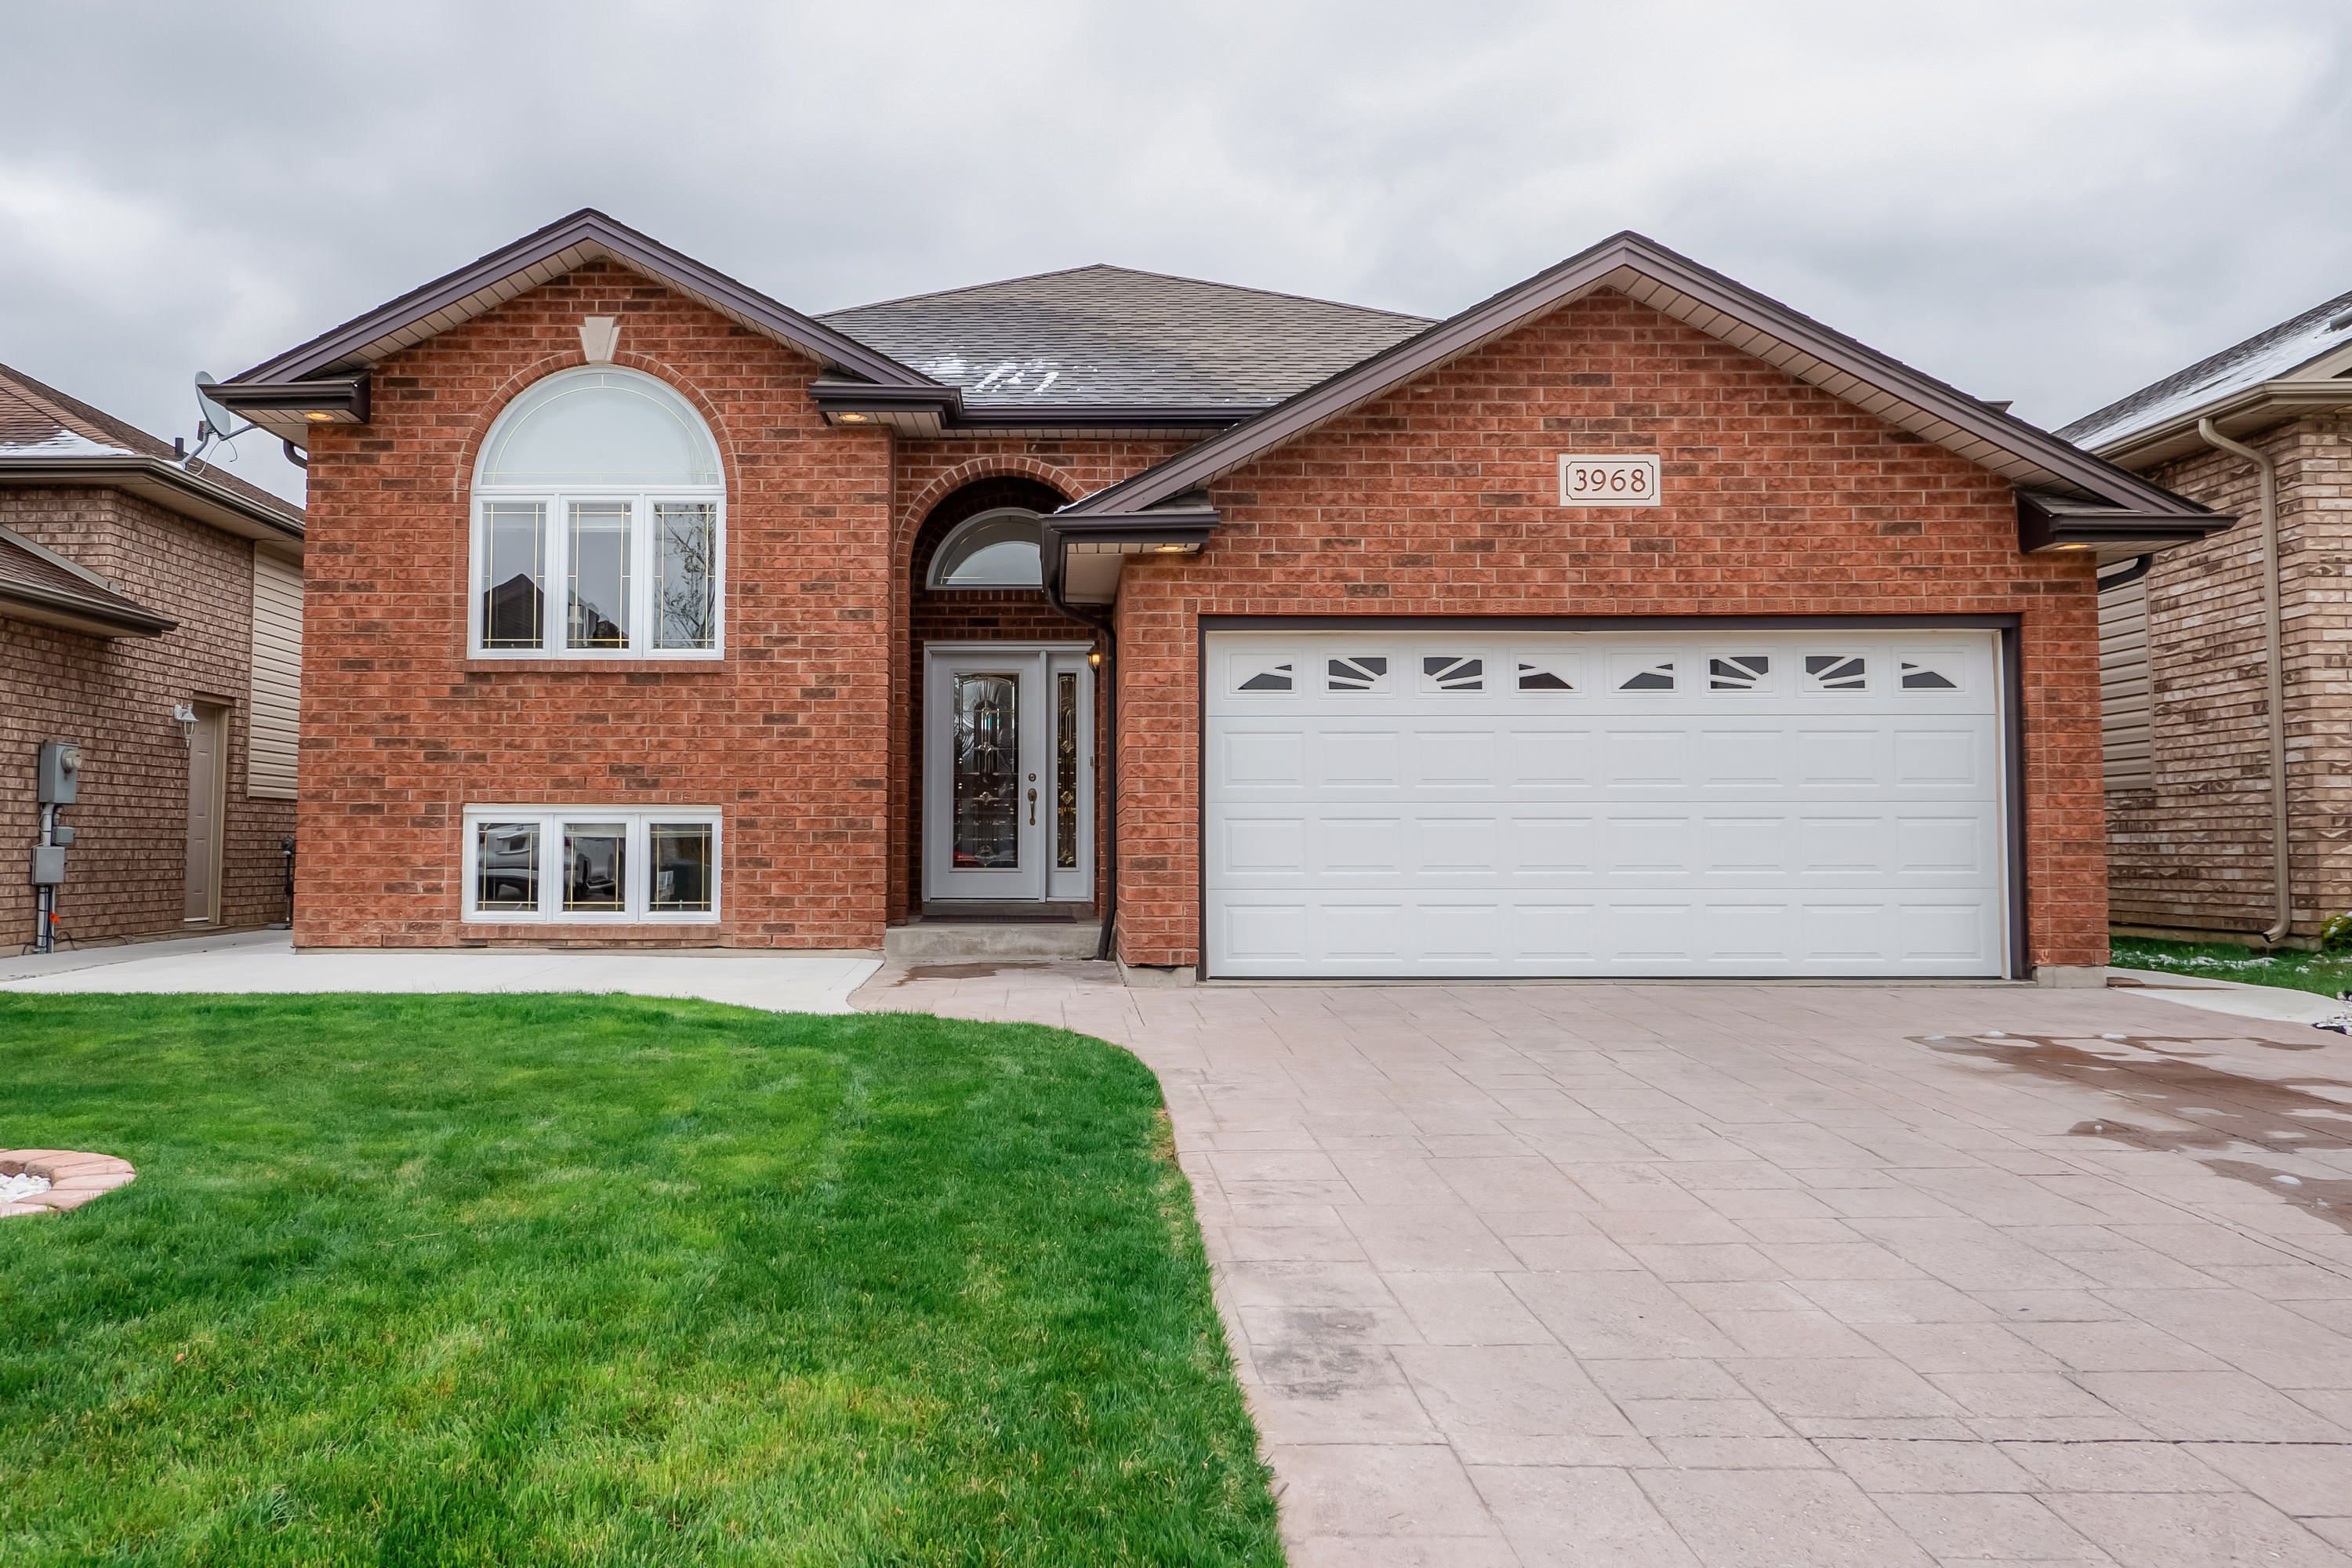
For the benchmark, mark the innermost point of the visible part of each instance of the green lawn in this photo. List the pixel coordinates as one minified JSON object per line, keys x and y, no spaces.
{"x":2328,"y":973}
{"x":472,"y":1279}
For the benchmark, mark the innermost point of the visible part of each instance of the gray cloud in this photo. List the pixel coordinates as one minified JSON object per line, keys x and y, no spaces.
{"x":2050,"y":202}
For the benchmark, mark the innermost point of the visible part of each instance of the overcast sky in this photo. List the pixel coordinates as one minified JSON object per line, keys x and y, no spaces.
{"x":2052,"y":202}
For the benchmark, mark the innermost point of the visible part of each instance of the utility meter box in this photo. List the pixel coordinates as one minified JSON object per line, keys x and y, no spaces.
{"x":60,"y":770}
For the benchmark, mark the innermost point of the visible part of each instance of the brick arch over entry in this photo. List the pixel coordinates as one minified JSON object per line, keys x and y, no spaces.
{"x":970,"y":501}
{"x":1059,"y":486}
{"x":967,"y":615}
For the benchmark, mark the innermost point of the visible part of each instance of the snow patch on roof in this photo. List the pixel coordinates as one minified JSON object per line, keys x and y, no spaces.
{"x":2266,"y":356}
{"x":63,"y":443}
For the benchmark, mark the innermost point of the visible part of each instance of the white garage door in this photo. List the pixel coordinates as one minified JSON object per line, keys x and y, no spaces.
{"x":1816,"y":803}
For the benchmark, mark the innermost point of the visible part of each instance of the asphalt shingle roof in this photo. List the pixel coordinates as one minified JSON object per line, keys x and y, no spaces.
{"x":38,"y":421}
{"x":2265,"y":356}
{"x":1106,"y":336}
{"x":25,"y":570}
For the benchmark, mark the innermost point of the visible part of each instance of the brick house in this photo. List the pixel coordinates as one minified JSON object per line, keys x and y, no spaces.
{"x":1626,"y":622}
{"x":151,"y":610}
{"x":2226,"y":692}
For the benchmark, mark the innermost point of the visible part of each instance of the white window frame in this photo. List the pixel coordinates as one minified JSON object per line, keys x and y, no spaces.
{"x":935,"y":582}
{"x":554,"y":594}
{"x":637,"y":896}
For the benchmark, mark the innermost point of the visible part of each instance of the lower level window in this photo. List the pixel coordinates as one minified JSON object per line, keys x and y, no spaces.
{"x":588,"y":865}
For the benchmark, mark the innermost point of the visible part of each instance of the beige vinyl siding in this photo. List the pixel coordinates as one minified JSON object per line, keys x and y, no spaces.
{"x":276,"y":706}
{"x":2125,"y":703}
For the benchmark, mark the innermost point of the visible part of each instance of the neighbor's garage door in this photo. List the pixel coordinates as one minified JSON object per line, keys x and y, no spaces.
{"x":1604,"y":804}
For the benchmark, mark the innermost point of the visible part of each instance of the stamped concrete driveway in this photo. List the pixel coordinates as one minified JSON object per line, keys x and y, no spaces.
{"x":1761,"y":1276}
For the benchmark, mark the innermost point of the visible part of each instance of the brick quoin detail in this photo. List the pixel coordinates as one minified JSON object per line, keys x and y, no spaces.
{"x":1440,"y":499}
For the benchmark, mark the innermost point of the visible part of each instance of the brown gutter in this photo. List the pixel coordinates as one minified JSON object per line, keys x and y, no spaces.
{"x":2275,"y":673}
{"x":168,"y":485}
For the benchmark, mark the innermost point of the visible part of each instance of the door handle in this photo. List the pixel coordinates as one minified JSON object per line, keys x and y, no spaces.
{"x":1033,"y":809}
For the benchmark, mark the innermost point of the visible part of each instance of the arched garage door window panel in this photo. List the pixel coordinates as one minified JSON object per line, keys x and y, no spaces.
{"x":598,"y":523}
{"x":997,"y":549}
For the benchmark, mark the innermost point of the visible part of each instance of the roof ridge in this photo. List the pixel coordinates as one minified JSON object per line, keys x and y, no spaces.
{"x":1132,"y":272}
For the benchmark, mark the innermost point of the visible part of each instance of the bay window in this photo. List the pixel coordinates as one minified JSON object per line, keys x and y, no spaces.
{"x":588,"y":865}
{"x":598,"y":524}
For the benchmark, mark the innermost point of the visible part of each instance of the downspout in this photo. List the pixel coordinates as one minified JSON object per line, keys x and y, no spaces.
{"x":2274,"y":669}
{"x":1106,"y":623}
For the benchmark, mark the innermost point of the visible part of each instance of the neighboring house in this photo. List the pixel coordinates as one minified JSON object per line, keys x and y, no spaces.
{"x":1625,"y":623}
{"x":134,"y":586}
{"x":2229,"y":701}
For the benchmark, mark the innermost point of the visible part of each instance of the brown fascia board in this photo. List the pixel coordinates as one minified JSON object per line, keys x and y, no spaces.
{"x":347,"y":347}
{"x":73,"y":613}
{"x":347,"y":398}
{"x":165,"y":483}
{"x":1189,"y":525}
{"x":942,"y":408}
{"x":1569,"y":279}
{"x":2050,"y":522}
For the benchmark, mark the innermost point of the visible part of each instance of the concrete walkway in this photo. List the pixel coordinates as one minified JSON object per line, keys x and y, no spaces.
{"x":1758,"y":1277}
{"x":266,"y":960}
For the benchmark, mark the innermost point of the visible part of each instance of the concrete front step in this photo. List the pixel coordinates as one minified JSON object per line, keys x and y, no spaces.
{"x":957,"y":942}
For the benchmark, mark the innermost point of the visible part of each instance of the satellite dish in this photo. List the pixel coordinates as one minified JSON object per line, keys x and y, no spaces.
{"x":219,"y":424}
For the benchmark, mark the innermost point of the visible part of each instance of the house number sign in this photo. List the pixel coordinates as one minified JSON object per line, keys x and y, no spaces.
{"x":1608,"y":480}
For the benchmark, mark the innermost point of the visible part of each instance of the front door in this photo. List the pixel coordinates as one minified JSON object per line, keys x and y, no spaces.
{"x":207,"y":754}
{"x":1008,"y":773}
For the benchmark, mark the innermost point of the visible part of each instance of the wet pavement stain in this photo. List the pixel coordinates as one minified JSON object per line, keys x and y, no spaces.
{"x":2224,"y":1111}
{"x":947,"y":972}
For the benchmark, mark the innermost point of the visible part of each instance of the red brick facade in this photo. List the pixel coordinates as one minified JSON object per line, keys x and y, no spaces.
{"x":126,"y":873}
{"x":787,"y":732}
{"x":1783,"y":500}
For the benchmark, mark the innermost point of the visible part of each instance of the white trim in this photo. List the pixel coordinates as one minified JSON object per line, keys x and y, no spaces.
{"x":549,"y":820}
{"x":555,"y":557}
{"x":932,"y":575}
{"x":1035,"y":664}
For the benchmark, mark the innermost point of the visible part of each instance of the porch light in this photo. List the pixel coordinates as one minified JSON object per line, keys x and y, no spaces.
{"x":1172,"y":549}
{"x":1094,"y":659}
{"x":850,"y":418}
{"x":183,"y":714}
{"x":318,"y":417}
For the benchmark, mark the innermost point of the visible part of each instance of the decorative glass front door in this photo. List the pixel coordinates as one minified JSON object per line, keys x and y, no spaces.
{"x":987,"y":764}
{"x":1008,"y":771}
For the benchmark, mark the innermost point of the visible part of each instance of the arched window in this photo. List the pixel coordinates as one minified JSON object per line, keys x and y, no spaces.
{"x":598,"y":523}
{"x":997,"y":549}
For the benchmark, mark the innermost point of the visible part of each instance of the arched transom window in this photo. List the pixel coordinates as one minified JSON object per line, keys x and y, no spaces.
{"x":599,"y":526}
{"x":997,"y":549}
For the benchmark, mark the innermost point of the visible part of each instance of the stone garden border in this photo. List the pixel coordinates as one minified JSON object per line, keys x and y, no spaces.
{"x":74,"y":1178}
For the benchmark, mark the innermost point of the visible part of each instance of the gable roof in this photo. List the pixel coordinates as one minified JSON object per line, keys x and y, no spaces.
{"x":1643,"y":269}
{"x":48,"y":437}
{"x":586,"y":235}
{"x":1104,"y":336}
{"x":2314,"y":346}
